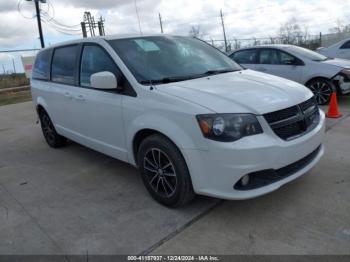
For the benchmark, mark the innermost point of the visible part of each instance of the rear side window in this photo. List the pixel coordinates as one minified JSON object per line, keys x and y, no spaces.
{"x":94,"y":60}
{"x":346,"y":45}
{"x":64,"y":65}
{"x":285,"y":59}
{"x":41,"y":69}
{"x":269,"y":57}
{"x":245,"y":57}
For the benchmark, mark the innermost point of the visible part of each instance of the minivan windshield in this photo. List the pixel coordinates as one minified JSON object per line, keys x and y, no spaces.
{"x":308,"y":53}
{"x":164,"y":59}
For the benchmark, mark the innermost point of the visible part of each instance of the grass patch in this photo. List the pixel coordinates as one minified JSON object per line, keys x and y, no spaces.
{"x":13,"y":80}
{"x":15,"y":97}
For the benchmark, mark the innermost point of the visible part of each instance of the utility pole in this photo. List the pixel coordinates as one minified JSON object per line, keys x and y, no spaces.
{"x":3,"y":68}
{"x":100,"y":26}
{"x":37,"y":9}
{"x":223,"y":29}
{"x":39,"y":23}
{"x":83,"y":29}
{"x":89,"y":21}
{"x":161,"y":23}
{"x":14,"y":67}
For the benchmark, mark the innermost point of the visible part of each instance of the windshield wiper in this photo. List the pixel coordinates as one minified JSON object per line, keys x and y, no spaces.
{"x":172,"y":79}
{"x":220,"y":71}
{"x":167,"y":80}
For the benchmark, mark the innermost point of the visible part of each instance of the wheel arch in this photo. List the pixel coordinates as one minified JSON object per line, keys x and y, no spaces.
{"x":182,"y":138}
{"x":315,"y":78}
{"x":40,"y":108}
{"x":142,"y":135}
{"x":331,"y":80}
{"x":40,"y":104}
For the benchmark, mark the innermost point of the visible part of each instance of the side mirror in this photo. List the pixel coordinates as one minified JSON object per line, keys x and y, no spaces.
{"x":290,"y":62}
{"x":295,"y":62}
{"x":103,"y":80}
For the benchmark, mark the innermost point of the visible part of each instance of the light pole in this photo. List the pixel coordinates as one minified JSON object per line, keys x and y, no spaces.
{"x":37,"y":9}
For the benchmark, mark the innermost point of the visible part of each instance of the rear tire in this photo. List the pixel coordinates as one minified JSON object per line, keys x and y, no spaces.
{"x":322,"y":89}
{"x":52,"y":138}
{"x":164,"y":171}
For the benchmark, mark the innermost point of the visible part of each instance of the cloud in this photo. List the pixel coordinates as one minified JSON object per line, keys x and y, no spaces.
{"x":4,"y":57}
{"x":243,"y":19}
{"x":15,"y":30}
{"x":93,"y":4}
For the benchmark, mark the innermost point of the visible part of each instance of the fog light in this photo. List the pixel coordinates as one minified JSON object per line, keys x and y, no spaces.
{"x":245,"y":180}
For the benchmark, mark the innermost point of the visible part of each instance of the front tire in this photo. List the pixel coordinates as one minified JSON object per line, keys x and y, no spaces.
{"x":52,"y":138}
{"x":164,"y":171}
{"x":322,"y":89}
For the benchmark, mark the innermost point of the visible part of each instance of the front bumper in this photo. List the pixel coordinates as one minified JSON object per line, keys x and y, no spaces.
{"x":214,"y":172}
{"x":343,"y":83}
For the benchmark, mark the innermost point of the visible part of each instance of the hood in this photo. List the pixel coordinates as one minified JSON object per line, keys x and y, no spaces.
{"x":338,"y":62}
{"x":244,"y":91}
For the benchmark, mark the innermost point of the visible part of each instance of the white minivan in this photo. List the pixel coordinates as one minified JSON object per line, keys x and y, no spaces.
{"x":191,"y":119}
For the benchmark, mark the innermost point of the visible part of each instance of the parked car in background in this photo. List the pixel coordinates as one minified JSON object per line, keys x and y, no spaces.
{"x":318,"y":72}
{"x":181,"y":111}
{"x":338,"y":50}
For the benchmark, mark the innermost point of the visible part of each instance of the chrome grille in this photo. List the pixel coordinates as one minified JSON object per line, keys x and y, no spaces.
{"x":294,"y":121}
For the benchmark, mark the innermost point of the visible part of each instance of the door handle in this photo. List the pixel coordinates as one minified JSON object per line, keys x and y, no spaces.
{"x":67,"y":94}
{"x":80,"y":97}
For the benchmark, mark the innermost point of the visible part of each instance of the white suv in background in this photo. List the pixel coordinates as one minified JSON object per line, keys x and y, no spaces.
{"x":338,"y":50}
{"x":181,"y":111}
{"x":318,"y":72}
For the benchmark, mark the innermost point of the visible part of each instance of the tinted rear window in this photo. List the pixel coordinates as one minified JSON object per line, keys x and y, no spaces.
{"x":64,"y":64}
{"x":346,"y":45}
{"x":41,"y":69}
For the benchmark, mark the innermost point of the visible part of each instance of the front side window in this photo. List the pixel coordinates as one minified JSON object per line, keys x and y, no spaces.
{"x":245,"y":56}
{"x":94,"y":60}
{"x":41,"y":69}
{"x":64,"y":64}
{"x":171,"y":58}
{"x":346,"y":45}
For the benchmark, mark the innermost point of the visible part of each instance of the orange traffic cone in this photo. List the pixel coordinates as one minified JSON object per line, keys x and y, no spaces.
{"x":333,"y":111}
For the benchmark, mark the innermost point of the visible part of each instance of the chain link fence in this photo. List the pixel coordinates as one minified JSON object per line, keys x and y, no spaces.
{"x":311,"y":42}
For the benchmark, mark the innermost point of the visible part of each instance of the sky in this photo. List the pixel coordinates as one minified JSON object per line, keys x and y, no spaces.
{"x":243,"y":19}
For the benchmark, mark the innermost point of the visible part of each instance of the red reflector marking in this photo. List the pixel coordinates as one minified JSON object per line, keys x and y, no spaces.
{"x":28,"y":67}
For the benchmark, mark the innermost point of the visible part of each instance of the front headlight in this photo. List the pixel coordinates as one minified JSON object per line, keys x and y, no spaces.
{"x":346,"y":72}
{"x":228,"y":127}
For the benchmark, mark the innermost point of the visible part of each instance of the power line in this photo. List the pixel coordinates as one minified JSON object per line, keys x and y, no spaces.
{"x":54,"y":21}
{"x":19,"y":4}
{"x":60,"y":30}
{"x":19,"y":50}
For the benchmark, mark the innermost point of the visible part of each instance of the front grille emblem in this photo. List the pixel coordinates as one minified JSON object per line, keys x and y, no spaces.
{"x":302,"y":122}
